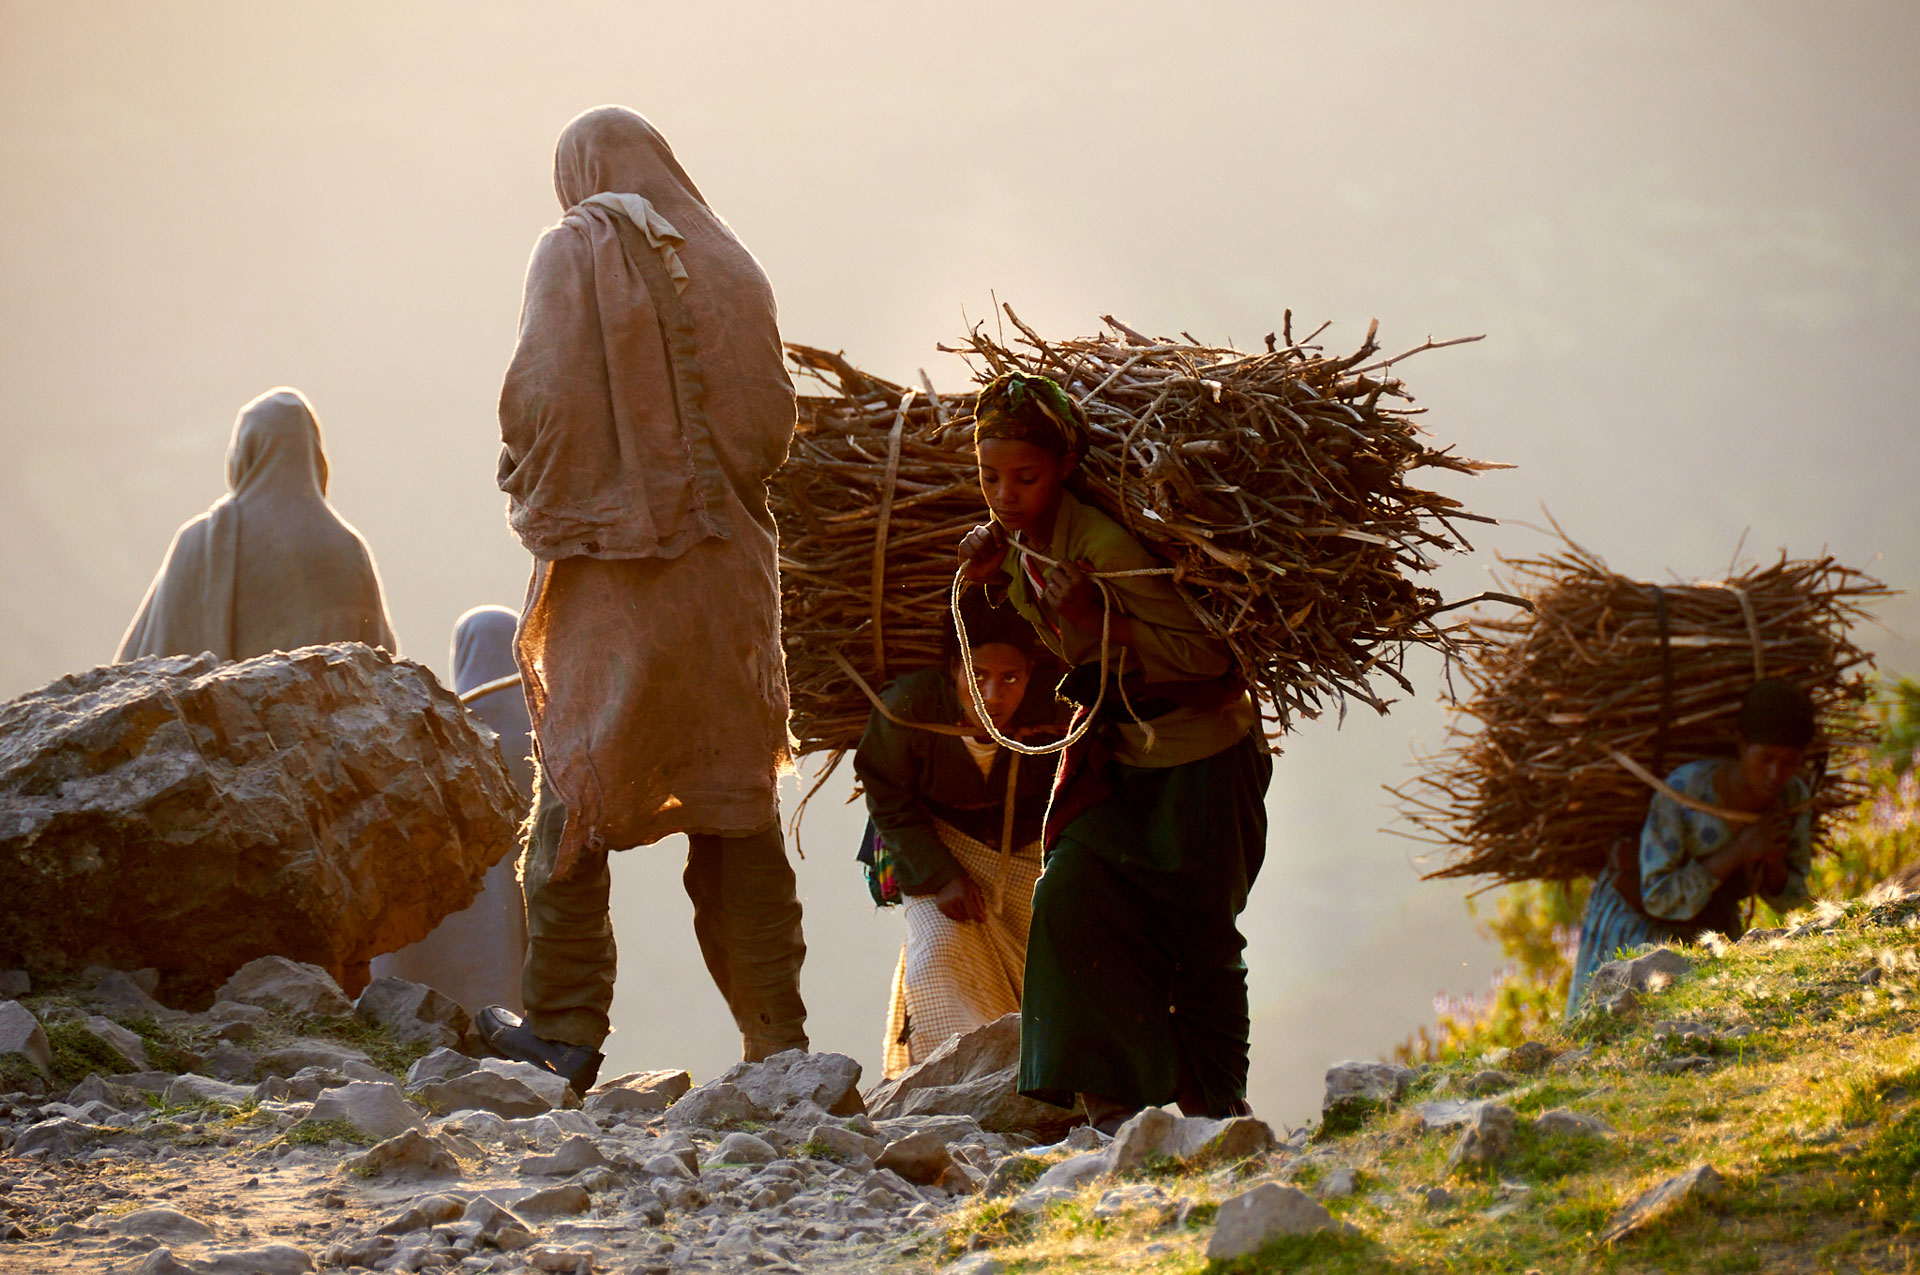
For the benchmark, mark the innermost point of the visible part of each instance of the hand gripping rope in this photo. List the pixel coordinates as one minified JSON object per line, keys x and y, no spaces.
{"x":1074,"y":736}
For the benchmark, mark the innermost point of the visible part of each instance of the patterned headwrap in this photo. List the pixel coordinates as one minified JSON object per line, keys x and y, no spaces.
{"x":1032,"y":409}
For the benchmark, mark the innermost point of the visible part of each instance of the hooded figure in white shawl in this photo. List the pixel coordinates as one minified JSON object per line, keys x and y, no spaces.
{"x":475,"y":955}
{"x":271,"y":566}
{"x":646,"y":406}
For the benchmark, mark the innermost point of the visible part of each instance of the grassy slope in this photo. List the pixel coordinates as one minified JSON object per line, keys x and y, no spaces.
{"x":1813,"y":1119}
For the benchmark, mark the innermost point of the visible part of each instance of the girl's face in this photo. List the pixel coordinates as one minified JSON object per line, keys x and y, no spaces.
{"x":1001,"y":672}
{"x":1766,"y":769}
{"x":1021,"y":481}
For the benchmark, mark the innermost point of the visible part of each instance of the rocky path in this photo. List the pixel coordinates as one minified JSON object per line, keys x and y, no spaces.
{"x":219,"y":1191}
{"x":257,"y":1154}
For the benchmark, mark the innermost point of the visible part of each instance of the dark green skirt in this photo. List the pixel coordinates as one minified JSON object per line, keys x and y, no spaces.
{"x":1135,"y":986}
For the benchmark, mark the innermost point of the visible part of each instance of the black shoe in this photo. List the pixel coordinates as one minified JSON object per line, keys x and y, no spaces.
{"x":509,"y":1037}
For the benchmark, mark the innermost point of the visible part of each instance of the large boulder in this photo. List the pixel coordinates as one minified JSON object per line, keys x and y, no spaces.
{"x":1255,"y":1218}
{"x":326,"y":804}
{"x":1190,"y":1140}
{"x":637,"y":1092}
{"x":976,"y":1074}
{"x":796,"y":1078}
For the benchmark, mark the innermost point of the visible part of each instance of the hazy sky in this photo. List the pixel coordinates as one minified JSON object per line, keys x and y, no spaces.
{"x":1688,"y":231}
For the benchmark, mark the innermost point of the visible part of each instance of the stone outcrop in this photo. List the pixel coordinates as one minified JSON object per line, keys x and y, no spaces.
{"x":21,"y":1033}
{"x":292,"y":987}
{"x":1269,"y":1211}
{"x":1618,"y":985}
{"x":326,"y":804}
{"x":639,"y":1092}
{"x":973,"y":1074}
{"x":413,"y":1012}
{"x":1486,"y":1138}
{"x":1359,"y":1080}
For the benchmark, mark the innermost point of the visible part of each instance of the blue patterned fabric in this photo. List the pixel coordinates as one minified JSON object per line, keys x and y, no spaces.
{"x":1674,"y":884}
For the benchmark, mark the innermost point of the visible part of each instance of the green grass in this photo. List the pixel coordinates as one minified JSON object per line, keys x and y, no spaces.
{"x":77,"y":1052}
{"x":387,"y":1051}
{"x":1025,"y":1170}
{"x":1813,"y":1120}
{"x":320,"y":1133}
{"x":1347,"y":1116}
{"x":814,"y":1149}
{"x":985,"y":1224}
{"x":19,"y":1074}
{"x":164,"y":1048}
{"x":1324,"y":1251}
{"x":1543,"y":1158}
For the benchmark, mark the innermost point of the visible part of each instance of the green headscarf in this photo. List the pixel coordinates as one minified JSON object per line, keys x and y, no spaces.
{"x":1032,"y":409}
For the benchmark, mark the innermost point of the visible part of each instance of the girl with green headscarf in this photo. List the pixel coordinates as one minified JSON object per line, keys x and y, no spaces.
{"x":1135,"y":992}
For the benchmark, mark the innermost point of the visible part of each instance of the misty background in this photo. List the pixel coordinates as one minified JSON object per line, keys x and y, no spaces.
{"x":1688,"y":231}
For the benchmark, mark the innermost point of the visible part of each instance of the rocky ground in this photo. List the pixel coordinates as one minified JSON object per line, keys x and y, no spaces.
{"x":285,"y":1130}
{"x":1730,"y":1108}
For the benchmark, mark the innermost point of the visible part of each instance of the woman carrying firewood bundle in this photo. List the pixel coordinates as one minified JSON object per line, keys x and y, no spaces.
{"x":1726,"y":829}
{"x":954,"y":832}
{"x":1136,"y":993}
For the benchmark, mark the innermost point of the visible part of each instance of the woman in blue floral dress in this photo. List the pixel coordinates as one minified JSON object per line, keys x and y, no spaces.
{"x":1697,"y":867}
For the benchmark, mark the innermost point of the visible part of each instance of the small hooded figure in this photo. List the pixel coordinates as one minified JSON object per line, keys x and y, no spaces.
{"x":271,"y":566}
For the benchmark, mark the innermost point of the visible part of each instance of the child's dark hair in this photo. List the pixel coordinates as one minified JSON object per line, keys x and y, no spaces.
{"x":1031,"y":409}
{"x":1777,"y":713}
{"x":987,"y":624}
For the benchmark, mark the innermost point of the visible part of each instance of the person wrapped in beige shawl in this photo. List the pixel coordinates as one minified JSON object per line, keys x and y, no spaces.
{"x":271,"y":566}
{"x":645,"y":407}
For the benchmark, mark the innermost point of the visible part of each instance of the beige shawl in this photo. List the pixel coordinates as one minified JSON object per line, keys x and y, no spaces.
{"x":270,"y":566}
{"x":645,"y":407}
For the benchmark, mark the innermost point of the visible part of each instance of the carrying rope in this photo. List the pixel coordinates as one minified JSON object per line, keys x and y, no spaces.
{"x":1651,"y":778}
{"x":1660,"y":786}
{"x":1075,"y":735}
{"x":1006,"y":832}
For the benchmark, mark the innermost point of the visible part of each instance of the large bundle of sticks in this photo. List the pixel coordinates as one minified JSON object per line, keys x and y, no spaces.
{"x":872,"y":503}
{"x":1576,"y":706}
{"x":1275,"y":483}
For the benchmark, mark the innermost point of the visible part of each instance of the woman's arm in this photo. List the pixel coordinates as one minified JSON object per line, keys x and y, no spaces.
{"x":1673,"y":884}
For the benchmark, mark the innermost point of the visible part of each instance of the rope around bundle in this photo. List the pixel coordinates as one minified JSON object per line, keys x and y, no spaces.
{"x":1649,"y":777}
{"x":1073,"y":736}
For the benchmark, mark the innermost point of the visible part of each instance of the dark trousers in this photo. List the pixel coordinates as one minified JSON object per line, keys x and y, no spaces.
{"x":746,"y":918}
